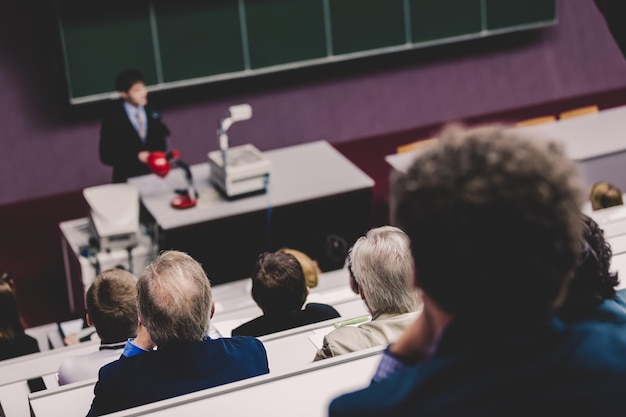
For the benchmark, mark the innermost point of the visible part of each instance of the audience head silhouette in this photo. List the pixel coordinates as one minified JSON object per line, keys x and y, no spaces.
{"x":174,"y":305}
{"x":309,"y":267}
{"x":279,"y":288}
{"x":278,"y":284}
{"x":10,"y":322}
{"x":604,"y":195}
{"x":13,"y":341}
{"x":494,"y":223}
{"x":593,"y":282}
{"x":111,"y":303}
{"x":174,"y":299}
{"x":381,"y":270}
{"x":333,"y":252}
{"x":488,"y":203}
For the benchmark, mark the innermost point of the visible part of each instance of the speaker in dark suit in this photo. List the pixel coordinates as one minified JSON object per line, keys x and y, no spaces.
{"x":131,"y":129}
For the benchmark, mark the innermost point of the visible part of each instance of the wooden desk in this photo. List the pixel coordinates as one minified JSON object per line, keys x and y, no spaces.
{"x":313,"y":190}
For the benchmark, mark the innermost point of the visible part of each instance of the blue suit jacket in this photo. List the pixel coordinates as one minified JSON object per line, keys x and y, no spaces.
{"x":175,"y":370}
{"x":545,"y":369}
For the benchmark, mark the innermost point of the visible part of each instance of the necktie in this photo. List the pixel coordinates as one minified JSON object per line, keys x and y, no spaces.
{"x":141,"y":124}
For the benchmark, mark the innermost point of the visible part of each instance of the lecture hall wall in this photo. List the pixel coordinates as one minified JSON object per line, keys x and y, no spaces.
{"x":50,"y":148}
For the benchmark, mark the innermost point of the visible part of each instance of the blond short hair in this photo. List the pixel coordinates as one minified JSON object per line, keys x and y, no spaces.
{"x":309,"y":267}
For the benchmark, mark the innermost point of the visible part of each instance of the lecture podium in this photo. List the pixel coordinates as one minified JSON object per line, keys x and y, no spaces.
{"x":313,"y":191}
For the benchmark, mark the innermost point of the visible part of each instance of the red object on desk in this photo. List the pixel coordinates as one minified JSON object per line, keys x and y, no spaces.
{"x":183,"y":202}
{"x":159,"y":164}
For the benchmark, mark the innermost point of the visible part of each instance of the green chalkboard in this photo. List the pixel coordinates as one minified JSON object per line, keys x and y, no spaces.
{"x":285,"y":31}
{"x":188,"y":42}
{"x":509,"y":14}
{"x":198,"y":38}
{"x":377,"y":24}
{"x":96,"y":40}
{"x":440,"y":19}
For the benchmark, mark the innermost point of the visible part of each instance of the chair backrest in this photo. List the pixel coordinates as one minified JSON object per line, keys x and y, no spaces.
{"x":414,"y":145}
{"x":293,"y":349}
{"x":536,"y":121}
{"x":68,"y":400}
{"x":581,"y":111}
{"x":299,"y":381}
{"x":41,"y":363}
{"x":304,"y":393}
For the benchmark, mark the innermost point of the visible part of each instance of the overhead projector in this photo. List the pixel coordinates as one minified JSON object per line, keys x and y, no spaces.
{"x":114,"y":215}
{"x":241,"y":170}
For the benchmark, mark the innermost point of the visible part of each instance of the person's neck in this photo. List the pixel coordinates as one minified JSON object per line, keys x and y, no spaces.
{"x":102,"y":342}
{"x":131,"y":105}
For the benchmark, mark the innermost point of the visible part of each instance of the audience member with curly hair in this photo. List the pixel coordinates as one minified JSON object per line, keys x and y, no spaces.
{"x":494,"y":223}
{"x":592,"y":292}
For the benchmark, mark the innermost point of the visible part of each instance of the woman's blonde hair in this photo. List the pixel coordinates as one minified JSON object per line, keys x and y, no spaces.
{"x":604,"y":195}
{"x":309,"y":267}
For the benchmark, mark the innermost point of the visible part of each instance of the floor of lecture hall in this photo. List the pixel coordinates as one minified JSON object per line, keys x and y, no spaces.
{"x":30,"y":239}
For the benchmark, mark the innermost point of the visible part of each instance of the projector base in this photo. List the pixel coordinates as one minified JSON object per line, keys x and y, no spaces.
{"x":238,"y":196}
{"x":183,"y":202}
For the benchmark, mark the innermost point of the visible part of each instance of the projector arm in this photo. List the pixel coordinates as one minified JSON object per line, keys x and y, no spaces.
{"x":234,"y":114}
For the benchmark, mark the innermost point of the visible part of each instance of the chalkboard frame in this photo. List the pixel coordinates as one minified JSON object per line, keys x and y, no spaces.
{"x":156,"y":80}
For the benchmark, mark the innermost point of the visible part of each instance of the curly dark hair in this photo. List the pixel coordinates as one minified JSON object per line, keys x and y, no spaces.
{"x":493,"y":220}
{"x":592,"y":282}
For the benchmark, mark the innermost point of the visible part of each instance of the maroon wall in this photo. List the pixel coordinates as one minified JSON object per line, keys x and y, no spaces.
{"x":50,"y":148}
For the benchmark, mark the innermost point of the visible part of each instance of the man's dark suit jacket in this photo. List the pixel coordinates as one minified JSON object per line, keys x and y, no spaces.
{"x":175,"y":370}
{"x":266,"y":324}
{"x":120,"y":143}
{"x":548,"y":368}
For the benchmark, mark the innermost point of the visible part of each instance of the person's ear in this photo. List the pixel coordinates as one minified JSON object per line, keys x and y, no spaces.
{"x":124,"y":95}
{"x":354,"y":285}
{"x":88,"y":320}
{"x":212,"y":310}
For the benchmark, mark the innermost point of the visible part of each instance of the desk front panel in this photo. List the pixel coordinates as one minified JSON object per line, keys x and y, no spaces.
{"x":228,"y":248}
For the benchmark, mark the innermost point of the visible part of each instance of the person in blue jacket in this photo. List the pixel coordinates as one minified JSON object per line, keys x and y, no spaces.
{"x":494,"y":223}
{"x":172,"y":354}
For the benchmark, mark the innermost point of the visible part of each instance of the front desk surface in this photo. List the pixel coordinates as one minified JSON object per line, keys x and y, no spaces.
{"x":80,"y":270}
{"x":313,"y":191}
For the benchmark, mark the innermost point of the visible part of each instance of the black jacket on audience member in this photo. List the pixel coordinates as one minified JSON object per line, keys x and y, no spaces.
{"x":22,"y":345}
{"x":272,"y":323}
